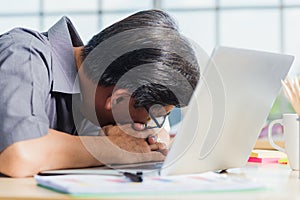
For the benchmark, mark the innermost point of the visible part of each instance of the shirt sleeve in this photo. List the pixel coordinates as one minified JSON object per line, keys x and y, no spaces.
{"x":24,"y":84}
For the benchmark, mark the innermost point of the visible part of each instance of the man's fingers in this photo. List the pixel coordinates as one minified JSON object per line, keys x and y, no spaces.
{"x":164,"y":151}
{"x":155,"y":156}
{"x":128,"y":157}
{"x":124,"y":129}
{"x":139,"y":126}
{"x":158,"y":146}
{"x":152,"y":139}
{"x":111,"y":130}
{"x":136,"y":130}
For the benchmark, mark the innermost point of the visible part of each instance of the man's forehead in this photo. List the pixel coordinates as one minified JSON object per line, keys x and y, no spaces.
{"x":168,"y":108}
{"x":161,"y":109}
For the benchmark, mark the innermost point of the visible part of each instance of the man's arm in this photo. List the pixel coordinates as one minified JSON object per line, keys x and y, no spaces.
{"x":54,"y":151}
{"x":58,"y":150}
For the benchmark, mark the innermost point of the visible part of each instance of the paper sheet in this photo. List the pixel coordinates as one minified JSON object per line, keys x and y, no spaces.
{"x":96,"y":184}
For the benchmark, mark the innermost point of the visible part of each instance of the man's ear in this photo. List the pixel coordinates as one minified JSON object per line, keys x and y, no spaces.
{"x":117,"y":97}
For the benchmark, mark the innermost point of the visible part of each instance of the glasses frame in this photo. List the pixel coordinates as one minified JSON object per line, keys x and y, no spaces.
{"x":158,"y":125}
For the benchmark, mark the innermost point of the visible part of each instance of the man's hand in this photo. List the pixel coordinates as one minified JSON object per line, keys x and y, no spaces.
{"x":159,"y":141}
{"x":126,"y":139}
{"x":143,"y":141}
{"x":58,"y":150}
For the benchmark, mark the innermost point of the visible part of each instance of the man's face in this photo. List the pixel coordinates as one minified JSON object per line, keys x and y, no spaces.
{"x":123,"y":111}
{"x":142,"y":117}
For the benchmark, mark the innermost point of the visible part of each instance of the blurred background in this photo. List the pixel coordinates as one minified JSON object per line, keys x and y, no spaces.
{"x":271,"y":25}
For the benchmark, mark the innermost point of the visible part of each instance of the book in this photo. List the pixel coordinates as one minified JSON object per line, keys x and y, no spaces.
{"x":267,"y":156}
{"x":263,"y":160}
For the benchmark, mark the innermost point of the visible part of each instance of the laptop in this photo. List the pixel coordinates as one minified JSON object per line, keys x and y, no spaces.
{"x":225,"y":115}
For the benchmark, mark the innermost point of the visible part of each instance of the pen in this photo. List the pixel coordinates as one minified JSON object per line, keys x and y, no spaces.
{"x":133,"y":177}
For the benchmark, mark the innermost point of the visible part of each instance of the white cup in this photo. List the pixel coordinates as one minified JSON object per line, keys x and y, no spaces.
{"x":290,"y":125}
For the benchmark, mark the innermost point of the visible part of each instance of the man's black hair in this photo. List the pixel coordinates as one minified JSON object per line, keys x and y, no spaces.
{"x":165,"y":72}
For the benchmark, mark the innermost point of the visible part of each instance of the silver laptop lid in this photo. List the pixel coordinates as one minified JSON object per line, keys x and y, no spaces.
{"x":227,"y":111}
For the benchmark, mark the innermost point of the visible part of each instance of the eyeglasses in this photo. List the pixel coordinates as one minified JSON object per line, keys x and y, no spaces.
{"x":158,"y":116}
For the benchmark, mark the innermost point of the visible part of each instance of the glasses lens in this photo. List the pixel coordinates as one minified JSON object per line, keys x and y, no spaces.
{"x":158,"y":115}
{"x":157,"y":111}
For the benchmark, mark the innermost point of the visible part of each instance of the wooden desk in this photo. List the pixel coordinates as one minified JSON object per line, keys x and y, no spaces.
{"x":282,"y":183}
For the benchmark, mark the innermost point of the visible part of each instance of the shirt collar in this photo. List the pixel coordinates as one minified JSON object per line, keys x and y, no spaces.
{"x":63,"y":37}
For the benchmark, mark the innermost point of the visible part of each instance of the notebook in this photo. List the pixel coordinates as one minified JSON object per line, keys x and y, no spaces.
{"x":225,"y":115}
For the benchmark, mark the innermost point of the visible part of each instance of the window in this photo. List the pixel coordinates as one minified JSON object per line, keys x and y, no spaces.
{"x":270,"y":25}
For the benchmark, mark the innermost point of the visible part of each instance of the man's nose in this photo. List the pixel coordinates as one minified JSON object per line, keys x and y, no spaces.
{"x":139,"y":126}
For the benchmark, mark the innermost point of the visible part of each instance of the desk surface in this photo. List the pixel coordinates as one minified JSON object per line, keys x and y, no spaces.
{"x":282,"y":183}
